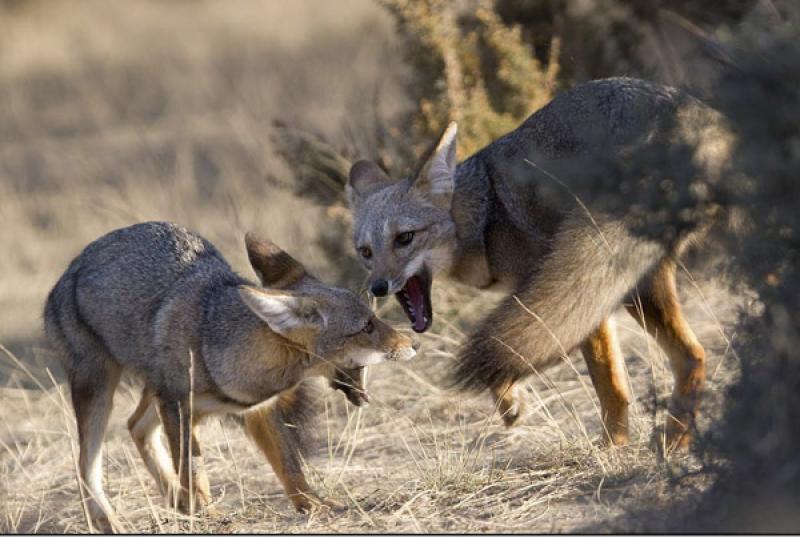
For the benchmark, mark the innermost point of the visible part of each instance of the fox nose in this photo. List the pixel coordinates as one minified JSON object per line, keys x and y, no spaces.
{"x":415,"y":346}
{"x":379,"y":288}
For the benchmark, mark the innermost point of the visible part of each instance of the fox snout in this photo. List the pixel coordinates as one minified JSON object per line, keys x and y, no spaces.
{"x":379,"y":287}
{"x":404,"y":353}
{"x":385,"y":282}
{"x":402,"y":348}
{"x":394,"y":345}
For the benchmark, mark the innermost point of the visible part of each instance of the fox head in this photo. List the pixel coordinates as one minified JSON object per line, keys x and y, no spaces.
{"x":331,"y":324}
{"x":403,"y":231}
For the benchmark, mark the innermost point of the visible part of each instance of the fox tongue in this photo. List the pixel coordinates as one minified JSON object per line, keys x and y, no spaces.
{"x":415,"y":297}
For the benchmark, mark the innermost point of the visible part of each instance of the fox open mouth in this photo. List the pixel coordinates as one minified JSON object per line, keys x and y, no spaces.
{"x":415,"y":298}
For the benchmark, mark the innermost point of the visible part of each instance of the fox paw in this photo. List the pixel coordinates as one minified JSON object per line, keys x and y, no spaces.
{"x":678,"y":434}
{"x":309,"y":502}
{"x":675,"y":436}
{"x":201,"y":504}
{"x":105,"y":523}
{"x":212,"y":512}
{"x":511,"y":410}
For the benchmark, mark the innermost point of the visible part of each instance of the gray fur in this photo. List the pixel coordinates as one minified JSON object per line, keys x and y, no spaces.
{"x":148,"y":294}
{"x":144,"y":297}
{"x":515,"y":225}
{"x":569,"y":266}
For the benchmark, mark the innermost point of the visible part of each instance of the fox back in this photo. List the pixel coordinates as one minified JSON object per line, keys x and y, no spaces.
{"x":118,"y":286}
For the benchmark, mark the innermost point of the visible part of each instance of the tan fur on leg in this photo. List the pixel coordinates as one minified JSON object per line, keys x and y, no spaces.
{"x":93,"y":402}
{"x":509,"y":404}
{"x":277,"y":430}
{"x":143,"y":426}
{"x":607,"y":370}
{"x":660,"y":312}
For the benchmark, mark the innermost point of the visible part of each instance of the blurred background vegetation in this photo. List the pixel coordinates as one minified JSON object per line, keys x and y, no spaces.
{"x":245,"y":115}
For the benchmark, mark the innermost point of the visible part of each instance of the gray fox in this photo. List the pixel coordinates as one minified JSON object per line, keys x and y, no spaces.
{"x":162,"y":302}
{"x":491,"y":222}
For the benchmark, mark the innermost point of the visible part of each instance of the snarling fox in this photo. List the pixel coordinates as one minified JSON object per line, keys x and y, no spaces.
{"x":491,"y":222}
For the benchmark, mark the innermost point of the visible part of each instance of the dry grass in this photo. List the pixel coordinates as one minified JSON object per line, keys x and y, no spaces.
{"x":111,"y":119}
{"x":417,"y":459}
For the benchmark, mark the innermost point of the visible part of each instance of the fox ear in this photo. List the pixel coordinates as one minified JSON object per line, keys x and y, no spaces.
{"x":283,"y":312}
{"x":363,"y":176}
{"x":274,"y":267}
{"x":436,"y":176}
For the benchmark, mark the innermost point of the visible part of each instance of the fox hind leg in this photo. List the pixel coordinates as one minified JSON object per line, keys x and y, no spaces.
{"x":658,"y":309}
{"x":92,"y":388}
{"x":607,"y":371}
{"x":510,"y":406}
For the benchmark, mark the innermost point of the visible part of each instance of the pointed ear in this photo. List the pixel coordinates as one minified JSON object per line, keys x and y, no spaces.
{"x":436,"y":176}
{"x":283,"y":312}
{"x":274,"y":267}
{"x":363,"y":176}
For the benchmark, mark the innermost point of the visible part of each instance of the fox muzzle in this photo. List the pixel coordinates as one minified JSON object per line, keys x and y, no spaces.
{"x":379,"y":288}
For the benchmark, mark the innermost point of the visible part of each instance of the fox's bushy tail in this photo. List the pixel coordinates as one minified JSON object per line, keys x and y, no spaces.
{"x":589,"y":271}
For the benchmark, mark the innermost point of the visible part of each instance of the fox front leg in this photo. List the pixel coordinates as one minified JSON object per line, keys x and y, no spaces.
{"x":192,"y":494}
{"x":278,"y":430}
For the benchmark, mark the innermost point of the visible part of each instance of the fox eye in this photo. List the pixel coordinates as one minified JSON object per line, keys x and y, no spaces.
{"x":365,"y":252}
{"x":404,"y":239}
{"x":369,"y":327}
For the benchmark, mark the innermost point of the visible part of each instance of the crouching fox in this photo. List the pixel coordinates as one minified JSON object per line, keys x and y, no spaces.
{"x":491,"y":221}
{"x":162,"y":302}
